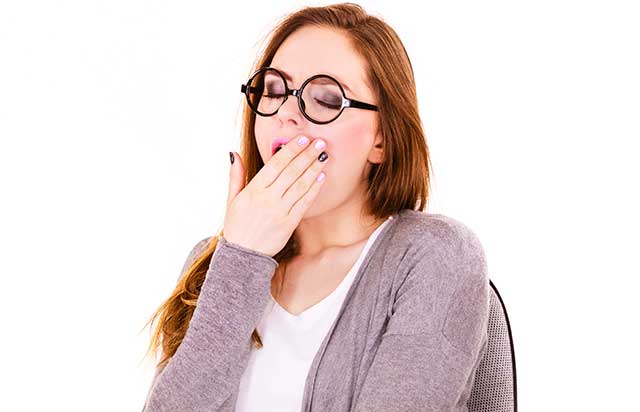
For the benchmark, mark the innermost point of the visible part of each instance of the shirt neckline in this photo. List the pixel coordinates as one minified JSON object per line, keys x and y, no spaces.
{"x":312,"y":311}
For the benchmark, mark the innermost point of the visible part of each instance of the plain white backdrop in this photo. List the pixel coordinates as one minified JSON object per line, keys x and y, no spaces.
{"x":116,"y":119}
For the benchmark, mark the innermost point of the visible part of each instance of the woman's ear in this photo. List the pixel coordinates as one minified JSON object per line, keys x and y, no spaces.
{"x":376,"y":154}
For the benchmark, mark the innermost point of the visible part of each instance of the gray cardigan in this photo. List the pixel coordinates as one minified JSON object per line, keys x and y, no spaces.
{"x":408,"y":337}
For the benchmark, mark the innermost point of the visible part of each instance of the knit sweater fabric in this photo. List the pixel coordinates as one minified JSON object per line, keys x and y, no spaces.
{"x":409,"y":334}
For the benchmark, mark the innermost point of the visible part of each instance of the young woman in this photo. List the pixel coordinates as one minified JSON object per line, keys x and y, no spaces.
{"x":340,"y":293}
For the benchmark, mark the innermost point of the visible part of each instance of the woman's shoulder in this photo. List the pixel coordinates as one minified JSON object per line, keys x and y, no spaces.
{"x":441,"y":281}
{"x":435,"y":229}
{"x":440,"y":249}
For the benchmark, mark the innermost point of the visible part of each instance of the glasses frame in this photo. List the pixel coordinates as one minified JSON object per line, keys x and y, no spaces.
{"x":346,"y":102}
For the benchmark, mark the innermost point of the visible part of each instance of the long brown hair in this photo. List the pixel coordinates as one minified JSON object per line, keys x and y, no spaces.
{"x":400,"y":181}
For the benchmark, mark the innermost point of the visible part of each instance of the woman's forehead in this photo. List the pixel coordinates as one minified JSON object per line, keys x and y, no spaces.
{"x":310,"y":51}
{"x":298,"y":79}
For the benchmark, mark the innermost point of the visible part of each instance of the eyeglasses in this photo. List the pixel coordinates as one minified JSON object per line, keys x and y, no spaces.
{"x":321,"y":98}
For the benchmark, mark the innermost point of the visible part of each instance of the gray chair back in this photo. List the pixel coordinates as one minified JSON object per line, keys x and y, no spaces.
{"x":494,"y":388}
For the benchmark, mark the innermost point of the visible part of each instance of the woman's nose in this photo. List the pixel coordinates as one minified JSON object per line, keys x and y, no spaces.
{"x":290,"y":111}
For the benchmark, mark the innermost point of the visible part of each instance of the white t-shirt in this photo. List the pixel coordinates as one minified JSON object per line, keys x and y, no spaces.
{"x":276,"y":374}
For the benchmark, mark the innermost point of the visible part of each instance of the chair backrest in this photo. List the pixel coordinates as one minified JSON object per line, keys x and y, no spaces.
{"x":494,"y":388}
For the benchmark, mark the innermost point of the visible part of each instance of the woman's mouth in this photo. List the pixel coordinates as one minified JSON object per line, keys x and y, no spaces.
{"x":277,"y":144}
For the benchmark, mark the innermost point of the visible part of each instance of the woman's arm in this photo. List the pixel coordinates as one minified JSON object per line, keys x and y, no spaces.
{"x":205,"y":372}
{"x":191,"y":257}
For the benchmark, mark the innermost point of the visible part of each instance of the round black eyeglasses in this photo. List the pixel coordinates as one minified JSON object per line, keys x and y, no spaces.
{"x":321,"y":98}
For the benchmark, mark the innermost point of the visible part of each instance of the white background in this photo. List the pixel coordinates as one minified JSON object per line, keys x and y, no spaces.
{"x":116,"y":119}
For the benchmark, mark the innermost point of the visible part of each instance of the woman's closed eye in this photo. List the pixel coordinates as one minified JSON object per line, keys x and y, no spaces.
{"x":328,"y":105}
{"x":273,"y":96}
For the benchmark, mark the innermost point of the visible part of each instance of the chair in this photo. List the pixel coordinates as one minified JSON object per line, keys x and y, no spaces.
{"x":494,"y":388}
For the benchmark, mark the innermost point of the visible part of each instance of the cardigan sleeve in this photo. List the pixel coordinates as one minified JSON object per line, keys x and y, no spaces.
{"x":437,"y":331}
{"x":204,"y":374}
{"x":191,"y":257}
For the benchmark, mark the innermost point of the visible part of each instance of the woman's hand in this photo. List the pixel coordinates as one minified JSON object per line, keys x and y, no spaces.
{"x":263,"y":215}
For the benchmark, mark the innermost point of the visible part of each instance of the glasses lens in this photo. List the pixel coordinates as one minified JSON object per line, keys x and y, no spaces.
{"x":266,"y":92}
{"x":322,"y":99}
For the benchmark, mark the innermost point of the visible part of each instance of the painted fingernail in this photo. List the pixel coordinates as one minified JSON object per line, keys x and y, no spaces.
{"x":231,"y":157}
{"x":323,"y":156}
{"x":303,"y":140}
{"x":320,"y":177}
{"x":320,"y":144}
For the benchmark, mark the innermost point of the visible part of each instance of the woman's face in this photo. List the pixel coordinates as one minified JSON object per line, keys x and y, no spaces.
{"x":353,"y":142}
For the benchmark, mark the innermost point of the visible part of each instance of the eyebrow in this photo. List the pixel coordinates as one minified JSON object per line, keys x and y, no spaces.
{"x":288,"y":77}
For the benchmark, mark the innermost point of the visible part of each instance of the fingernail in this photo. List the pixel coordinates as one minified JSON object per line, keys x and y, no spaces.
{"x":320,"y":144}
{"x":231,"y":157}
{"x":303,"y":140}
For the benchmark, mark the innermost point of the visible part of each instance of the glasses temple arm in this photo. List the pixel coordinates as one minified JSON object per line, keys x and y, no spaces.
{"x":361,"y":105}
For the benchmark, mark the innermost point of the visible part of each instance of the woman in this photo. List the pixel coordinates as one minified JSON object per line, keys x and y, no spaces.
{"x":340,"y":293}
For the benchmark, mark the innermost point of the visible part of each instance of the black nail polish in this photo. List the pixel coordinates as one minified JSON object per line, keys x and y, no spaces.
{"x":323,"y":156}
{"x":231,"y":157}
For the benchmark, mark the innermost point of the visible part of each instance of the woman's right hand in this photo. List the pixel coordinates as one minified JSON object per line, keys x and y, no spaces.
{"x":263,"y":215}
